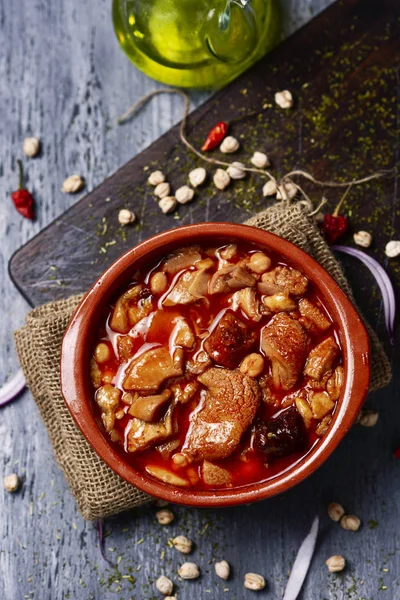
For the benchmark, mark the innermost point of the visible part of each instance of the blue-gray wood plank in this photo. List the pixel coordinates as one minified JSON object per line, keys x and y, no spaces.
{"x":62,"y":77}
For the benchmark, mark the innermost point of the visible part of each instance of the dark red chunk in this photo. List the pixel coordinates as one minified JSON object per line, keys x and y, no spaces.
{"x":230,"y":341}
{"x":281,"y":436}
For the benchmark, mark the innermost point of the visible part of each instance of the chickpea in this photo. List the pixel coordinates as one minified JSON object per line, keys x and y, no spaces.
{"x":259,"y":262}
{"x":102,"y":353}
{"x":252,"y":365}
{"x":180,"y":460}
{"x":158,"y":283}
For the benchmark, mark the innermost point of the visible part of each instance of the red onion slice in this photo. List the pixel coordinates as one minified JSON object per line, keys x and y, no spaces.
{"x":12,"y":388}
{"x":383,"y":281}
{"x":302,"y":563}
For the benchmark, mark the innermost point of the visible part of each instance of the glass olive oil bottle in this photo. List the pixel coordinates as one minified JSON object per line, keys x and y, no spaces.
{"x":195,"y":43}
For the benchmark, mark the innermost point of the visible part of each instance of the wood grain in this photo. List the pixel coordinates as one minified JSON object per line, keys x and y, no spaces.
{"x":63,"y":78}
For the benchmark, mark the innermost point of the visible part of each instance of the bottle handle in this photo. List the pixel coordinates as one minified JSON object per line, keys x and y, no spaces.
{"x":231,"y":35}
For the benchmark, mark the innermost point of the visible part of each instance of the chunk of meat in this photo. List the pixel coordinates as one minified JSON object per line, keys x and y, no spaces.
{"x":281,"y":436}
{"x":321,"y":404}
{"x":335,"y":382}
{"x":283,"y":279}
{"x":190,"y":287}
{"x":247,"y":300}
{"x":139,"y":311}
{"x":119,"y":319}
{"x":108,"y":398}
{"x":150,"y":369}
{"x":322,"y":358}
{"x":230,"y":341}
{"x":95,"y":373}
{"x":149,"y":408}
{"x":226,"y":410}
{"x":214,"y":475}
{"x":314,"y":318}
{"x":143,"y":435}
{"x":125,"y":347}
{"x":181,"y":259}
{"x":182,"y":334}
{"x":230,"y":278}
{"x":286,"y":344}
{"x":167,"y":448}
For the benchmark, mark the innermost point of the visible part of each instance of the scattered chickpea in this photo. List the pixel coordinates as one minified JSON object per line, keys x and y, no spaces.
{"x":31,"y":146}
{"x":252,"y":365}
{"x":197,"y":176}
{"x":182,"y":544}
{"x":286,"y":191}
{"x":165,"y":516}
{"x":335,"y":564}
{"x":221,"y":179}
{"x":167,"y":204}
{"x":392,"y":249}
{"x":259,"y":262}
{"x":102,"y":353}
{"x":368,"y":418}
{"x":335,"y":511}
{"x":363,"y":239}
{"x":260,"y":160}
{"x":162,"y":190}
{"x":72,"y":184}
{"x":184,"y":194}
{"x":189,"y":570}
{"x":222,"y":569}
{"x":158,"y":283}
{"x":156,"y":177}
{"x":11,"y":482}
{"x":164,"y":585}
{"x":350,"y":522}
{"x":236,"y":170}
{"x":229,"y":145}
{"x":270,"y":188}
{"x":126,"y":217}
{"x":253,"y":581}
{"x":284,"y":99}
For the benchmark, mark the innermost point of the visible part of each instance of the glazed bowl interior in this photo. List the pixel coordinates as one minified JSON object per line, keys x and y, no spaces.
{"x":79,"y":341}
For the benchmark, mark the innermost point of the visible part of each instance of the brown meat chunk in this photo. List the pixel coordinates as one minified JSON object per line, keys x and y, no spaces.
{"x":247,"y":300}
{"x":313,"y":316}
{"x":190,"y":287}
{"x":149,"y":408}
{"x":230,"y":341}
{"x":183,"y":335}
{"x":142,"y":435}
{"x":286,"y":344}
{"x":120,"y":317}
{"x":230,"y":278}
{"x":281,"y":436}
{"x":214,"y":475}
{"x":226,"y":411}
{"x":181,"y":259}
{"x":322,"y":358}
{"x":200,"y":363}
{"x":321,"y":404}
{"x":283,"y":279}
{"x":150,"y":369}
{"x":108,"y":397}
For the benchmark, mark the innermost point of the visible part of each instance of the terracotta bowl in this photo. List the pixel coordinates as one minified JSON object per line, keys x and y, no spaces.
{"x":80,"y":336}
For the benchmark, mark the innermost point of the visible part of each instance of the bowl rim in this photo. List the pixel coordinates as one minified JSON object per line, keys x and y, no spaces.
{"x":74,"y":363}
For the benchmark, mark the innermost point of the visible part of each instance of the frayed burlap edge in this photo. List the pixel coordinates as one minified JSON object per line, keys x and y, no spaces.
{"x":99,"y":492}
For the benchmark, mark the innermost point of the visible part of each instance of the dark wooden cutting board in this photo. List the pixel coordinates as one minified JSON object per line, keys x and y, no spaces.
{"x":342,"y":69}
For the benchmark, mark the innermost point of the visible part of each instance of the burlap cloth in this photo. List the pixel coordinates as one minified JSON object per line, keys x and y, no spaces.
{"x":99,"y":492}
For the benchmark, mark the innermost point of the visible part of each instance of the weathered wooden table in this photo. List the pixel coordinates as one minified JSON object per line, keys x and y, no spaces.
{"x":63,"y":77}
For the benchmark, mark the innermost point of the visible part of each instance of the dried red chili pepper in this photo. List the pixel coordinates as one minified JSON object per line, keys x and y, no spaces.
{"x":335,"y":225}
{"x":396,"y":453}
{"x":215,"y":136}
{"x":23,"y":200}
